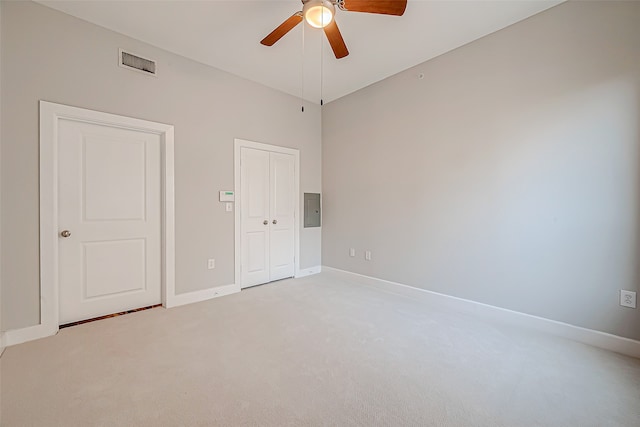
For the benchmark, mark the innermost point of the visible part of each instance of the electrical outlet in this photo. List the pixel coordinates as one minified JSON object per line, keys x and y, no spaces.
{"x":352,"y":252}
{"x":367,"y":255}
{"x":228,"y":207}
{"x":628,"y":299}
{"x":211,"y":264}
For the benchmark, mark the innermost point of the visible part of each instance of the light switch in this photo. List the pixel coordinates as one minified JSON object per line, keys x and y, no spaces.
{"x":229,"y":207}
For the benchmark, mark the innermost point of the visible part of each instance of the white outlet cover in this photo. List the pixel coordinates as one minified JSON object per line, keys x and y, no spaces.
{"x":211,"y":264}
{"x":628,"y":299}
{"x":352,"y":252}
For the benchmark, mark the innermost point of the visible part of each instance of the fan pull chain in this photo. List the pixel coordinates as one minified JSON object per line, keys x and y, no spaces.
{"x":302,"y":71}
{"x":322,"y":61}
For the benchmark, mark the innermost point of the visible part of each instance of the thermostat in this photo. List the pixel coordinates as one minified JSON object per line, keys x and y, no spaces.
{"x":227,"y":196}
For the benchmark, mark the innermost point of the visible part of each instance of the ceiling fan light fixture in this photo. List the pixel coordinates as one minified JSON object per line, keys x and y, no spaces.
{"x":318,"y":13}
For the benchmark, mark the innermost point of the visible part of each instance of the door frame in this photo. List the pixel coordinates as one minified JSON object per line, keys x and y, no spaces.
{"x":50,"y":115}
{"x":238,"y":145}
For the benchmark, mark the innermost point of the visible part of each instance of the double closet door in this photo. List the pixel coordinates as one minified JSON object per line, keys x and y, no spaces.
{"x":267,"y":216}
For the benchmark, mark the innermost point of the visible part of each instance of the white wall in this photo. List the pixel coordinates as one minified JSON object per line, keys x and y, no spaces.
{"x":51,"y":56}
{"x":509,"y":175}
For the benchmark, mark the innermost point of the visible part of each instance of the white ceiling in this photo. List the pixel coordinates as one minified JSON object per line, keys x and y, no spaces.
{"x":226,"y":35}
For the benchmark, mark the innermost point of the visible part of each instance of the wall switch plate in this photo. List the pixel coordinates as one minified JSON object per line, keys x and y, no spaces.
{"x":211,"y":264}
{"x":352,"y":252}
{"x":228,"y":207}
{"x":367,"y":255}
{"x":628,"y":299}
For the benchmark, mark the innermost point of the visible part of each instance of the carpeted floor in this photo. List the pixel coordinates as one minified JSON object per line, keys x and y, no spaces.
{"x":309,"y":352}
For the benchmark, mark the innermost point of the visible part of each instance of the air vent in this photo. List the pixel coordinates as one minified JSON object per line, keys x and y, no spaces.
{"x":137,"y":63}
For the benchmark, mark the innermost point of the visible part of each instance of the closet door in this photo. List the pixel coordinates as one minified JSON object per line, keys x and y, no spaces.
{"x":267,"y":216}
{"x":281,"y":200}
{"x":254,"y":214}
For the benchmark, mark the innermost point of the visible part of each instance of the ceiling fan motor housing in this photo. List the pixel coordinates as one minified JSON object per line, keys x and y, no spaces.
{"x":318,"y":13}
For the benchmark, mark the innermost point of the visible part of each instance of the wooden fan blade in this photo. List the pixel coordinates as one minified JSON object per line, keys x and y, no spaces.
{"x":335,"y":40}
{"x":282,"y":29}
{"x":385,"y":7}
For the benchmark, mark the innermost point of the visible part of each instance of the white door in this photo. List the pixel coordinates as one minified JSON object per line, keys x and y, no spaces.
{"x":267,"y":216}
{"x":254,"y":181}
{"x":282,"y":221}
{"x":109,"y":217}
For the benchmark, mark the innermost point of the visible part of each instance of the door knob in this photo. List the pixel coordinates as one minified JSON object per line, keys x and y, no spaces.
{"x":265,"y":222}
{"x":65,"y":233}
{"x":275,"y":221}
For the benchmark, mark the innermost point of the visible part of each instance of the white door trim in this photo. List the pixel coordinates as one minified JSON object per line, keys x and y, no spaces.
{"x":238,"y":145}
{"x":50,"y":115}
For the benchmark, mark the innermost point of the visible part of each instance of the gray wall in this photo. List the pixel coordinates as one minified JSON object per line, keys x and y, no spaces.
{"x":51,"y":56}
{"x":509,"y":175}
{"x":1,"y":336}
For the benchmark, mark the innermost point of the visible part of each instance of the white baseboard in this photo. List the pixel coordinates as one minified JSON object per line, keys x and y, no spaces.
{"x":304,"y":272}
{"x":203,"y":295}
{"x":30,"y":333}
{"x":592,"y":337}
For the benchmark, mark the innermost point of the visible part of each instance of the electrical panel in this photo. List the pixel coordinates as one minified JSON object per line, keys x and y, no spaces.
{"x":312,"y":212}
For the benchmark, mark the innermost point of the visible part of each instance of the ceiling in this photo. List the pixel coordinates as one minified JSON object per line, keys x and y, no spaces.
{"x":226,"y":35}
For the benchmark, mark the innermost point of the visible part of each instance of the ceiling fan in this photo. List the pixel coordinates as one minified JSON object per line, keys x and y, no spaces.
{"x":320,"y":14}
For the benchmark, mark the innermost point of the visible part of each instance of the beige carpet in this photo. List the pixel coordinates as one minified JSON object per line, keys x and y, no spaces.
{"x":308,"y":352}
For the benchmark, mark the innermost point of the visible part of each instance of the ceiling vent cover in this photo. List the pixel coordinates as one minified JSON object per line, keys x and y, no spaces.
{"x":137,"y":63}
